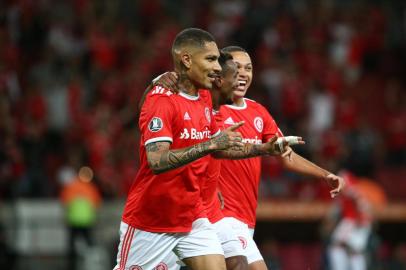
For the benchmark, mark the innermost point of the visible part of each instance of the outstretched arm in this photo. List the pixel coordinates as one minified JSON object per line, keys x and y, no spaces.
{"x":274,"y":147}
{"x":298,"y":164}
{"x":248,"y":150}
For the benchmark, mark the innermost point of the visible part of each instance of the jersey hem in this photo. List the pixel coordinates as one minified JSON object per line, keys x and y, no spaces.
{"x":249,"y":224}
{"x":158,"y":229}
{"x":215,"y":219}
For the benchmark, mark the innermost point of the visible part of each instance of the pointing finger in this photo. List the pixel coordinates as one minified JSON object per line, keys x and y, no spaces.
{"x":235,"y":126}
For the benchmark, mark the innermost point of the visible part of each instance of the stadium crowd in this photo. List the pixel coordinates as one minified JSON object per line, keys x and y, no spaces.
{"x":72,"y":72}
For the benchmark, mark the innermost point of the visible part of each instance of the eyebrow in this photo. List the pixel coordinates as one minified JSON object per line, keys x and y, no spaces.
{"x":242,"y":64}
{"x":212,"y":56}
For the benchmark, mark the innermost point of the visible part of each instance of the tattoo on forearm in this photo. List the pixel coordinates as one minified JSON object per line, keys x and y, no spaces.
{"x":171,"y":159}
{"x":247,"y":151}
{"x":221,"y":141}
{"x":152,"y":147}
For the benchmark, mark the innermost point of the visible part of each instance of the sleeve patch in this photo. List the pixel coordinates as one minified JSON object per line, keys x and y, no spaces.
{"x":155,"y":124}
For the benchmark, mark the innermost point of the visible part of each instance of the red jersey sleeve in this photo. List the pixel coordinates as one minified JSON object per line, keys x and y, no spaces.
{"x":270,"y":126}
{"x":157,"y":118}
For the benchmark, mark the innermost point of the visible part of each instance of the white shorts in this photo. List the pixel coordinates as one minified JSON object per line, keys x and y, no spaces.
{"x":230,"y":244}
{"x":139,"y":249}
{"x":245,"y":235}
{"x":351,"y":234}
{"x":228,"y":239}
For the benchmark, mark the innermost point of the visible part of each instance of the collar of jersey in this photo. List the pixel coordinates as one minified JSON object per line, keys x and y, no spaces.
{"x":189,"y":96}
{"x":244,"y":106}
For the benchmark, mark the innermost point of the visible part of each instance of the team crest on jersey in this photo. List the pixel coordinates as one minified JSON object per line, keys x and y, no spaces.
{"x":135,"y":267}
{"x":155,"y":124}
{"x":243,"y":242}
{"x":259,"y":124}
{"x":208,"y":114}
{"x":161,"y":266}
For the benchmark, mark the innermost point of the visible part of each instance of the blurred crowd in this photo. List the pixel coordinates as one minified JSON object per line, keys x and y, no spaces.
{"x":72,"y":73}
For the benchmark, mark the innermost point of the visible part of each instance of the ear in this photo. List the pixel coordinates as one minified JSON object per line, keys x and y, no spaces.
{"x":218,"y":81}
{"x":186,"y":60}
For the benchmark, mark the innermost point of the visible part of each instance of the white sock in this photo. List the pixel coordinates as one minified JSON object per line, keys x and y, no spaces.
{"x":338,"y":258}
{"x":358,"y":262}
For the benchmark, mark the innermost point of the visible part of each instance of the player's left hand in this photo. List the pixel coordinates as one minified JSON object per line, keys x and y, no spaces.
{"x":169,"y":80}
{"x":336,"y":182}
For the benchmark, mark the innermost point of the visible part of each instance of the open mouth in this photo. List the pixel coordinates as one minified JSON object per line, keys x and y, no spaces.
{"x":241,"y":85}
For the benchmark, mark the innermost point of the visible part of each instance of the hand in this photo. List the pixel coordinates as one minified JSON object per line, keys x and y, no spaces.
{"x":271,"y":147}
{"x":280,"y":145}
{"x":288,"y":153}
{"x":169,"y":80}
{"x":283,"y":142}
{"x":228,"y":138}
{"x":336,"y":182}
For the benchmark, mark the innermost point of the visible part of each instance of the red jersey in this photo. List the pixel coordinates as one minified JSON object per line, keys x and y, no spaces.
{"x":170,"y":201}
{"x":239,"y":179}
{"x":210,"y":184}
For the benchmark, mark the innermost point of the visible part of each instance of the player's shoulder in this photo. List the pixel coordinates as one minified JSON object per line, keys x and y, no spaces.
{"x":160,"y":92}
{"x":159,"y":97}
{"x":254,"y":104}
{"x":257,"y":107}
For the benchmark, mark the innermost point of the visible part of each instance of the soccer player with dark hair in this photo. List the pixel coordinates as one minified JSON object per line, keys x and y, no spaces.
{"x":239,"y":179}
{"x":164,"y":210}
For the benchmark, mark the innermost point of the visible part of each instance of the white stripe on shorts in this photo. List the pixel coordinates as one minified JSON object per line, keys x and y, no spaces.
{"x":128,"y":237}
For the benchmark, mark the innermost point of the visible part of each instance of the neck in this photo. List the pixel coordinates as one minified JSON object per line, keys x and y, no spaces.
{"x":239,"y":102}
{"x":215,"y":98}
{"x":186,"y":86}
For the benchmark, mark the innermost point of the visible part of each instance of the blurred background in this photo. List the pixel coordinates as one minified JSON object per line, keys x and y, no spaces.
{"x":72,"y":73}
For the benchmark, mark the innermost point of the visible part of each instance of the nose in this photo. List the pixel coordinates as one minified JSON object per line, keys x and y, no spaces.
{"x":216,"y":67}
{"x":242,"y":73}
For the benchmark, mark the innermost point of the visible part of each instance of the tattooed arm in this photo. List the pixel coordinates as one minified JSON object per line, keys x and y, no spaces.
{"x":161,"y":158}
{"x":248,"y":150}
{"x":253,"y":150}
